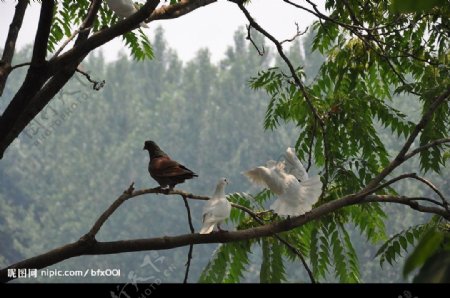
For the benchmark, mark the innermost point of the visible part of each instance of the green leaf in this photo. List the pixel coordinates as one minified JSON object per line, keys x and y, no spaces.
{"x":426,"y":247}
{"x":272,"y":267}
{"x":416,"y":5}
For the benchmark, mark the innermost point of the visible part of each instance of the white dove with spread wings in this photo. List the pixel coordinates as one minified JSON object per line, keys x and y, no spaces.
{"x":296,"y":192}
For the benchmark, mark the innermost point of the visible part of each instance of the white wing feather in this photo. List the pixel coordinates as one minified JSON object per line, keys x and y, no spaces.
{"x":294,"y":166}
{"x":267,"y":177}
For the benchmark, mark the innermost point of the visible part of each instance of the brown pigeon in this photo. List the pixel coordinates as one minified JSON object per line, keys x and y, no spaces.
{"x":164,"y":170}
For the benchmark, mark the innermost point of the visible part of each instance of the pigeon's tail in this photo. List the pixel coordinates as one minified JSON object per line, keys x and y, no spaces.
{"x":283,"y":208}
{"x":207,"y":228}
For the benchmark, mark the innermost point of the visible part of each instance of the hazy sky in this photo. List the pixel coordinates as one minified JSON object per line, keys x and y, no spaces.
{"x":212,"y":26}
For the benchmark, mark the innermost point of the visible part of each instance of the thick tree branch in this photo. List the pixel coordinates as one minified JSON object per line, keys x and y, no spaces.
{"x":33,"y":96}
{"x":10,"y":43}
{"x":36,"y":76}
{"x":177,"y":10}
{"x":88,"y":21}
{"x":87,"y":245}
{"x":36,"y":104}
{"x":43,"y":32}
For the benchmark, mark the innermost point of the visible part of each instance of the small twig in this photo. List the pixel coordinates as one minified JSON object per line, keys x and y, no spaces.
{"x":435,"y":189}
{"x":311,"y":145}
{"x":426,"y":146}
{"x":297,"y":34}
{"x":191,"y":246}
{"x":186,"y":204}
{"x":96,"y":85}
{"x":71,"y":37}
{"x":424,"y":199}
{"x":249,"y":37}
{"x":423,"y":180}
{"x":411,"y":202}
{"x":20,"y":65}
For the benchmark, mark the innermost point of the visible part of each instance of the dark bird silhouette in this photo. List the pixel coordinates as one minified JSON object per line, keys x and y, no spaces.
{"x":164,"y":170}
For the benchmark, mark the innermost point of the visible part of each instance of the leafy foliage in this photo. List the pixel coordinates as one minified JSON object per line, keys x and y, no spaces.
{"x":70,"y":14}
{"x":355,"y":88}
{"x":394,"y":246}
{"x":272,"y":267}
{"x":431,"y":254}
{"x":355,"y":93}
{"x":227,"y":263}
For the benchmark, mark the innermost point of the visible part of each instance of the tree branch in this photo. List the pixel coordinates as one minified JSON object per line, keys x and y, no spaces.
{"x":401,"y":156}
{"x":83,"y":47}
{"x":426,"y":146}
{"x":20,"y":65}
{"x":10,"y":43}
{"x":297,"y":34}
{"x":297,"y":81}
{"x":19,"y":112}
{"x":37,"y":74}
{"x":88,"y":21}
{"x":43,"y":32}
{"x":435,"y":189}
{"x":177,"y":10}
{"x":96,"y":85}
{"x":409,"y":201}
{"x":191,"y":247}
{"x":444,"y":203}
{"x":35,"y":104}
{"x":87,"y":245}
{"x":84,"y":29}
{"x":249,"y":37}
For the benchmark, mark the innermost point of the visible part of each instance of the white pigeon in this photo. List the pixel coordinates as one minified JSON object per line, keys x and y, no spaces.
{"x":294,"y":197}
{"x":216,"y":209}
{"x":123,"y":8}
